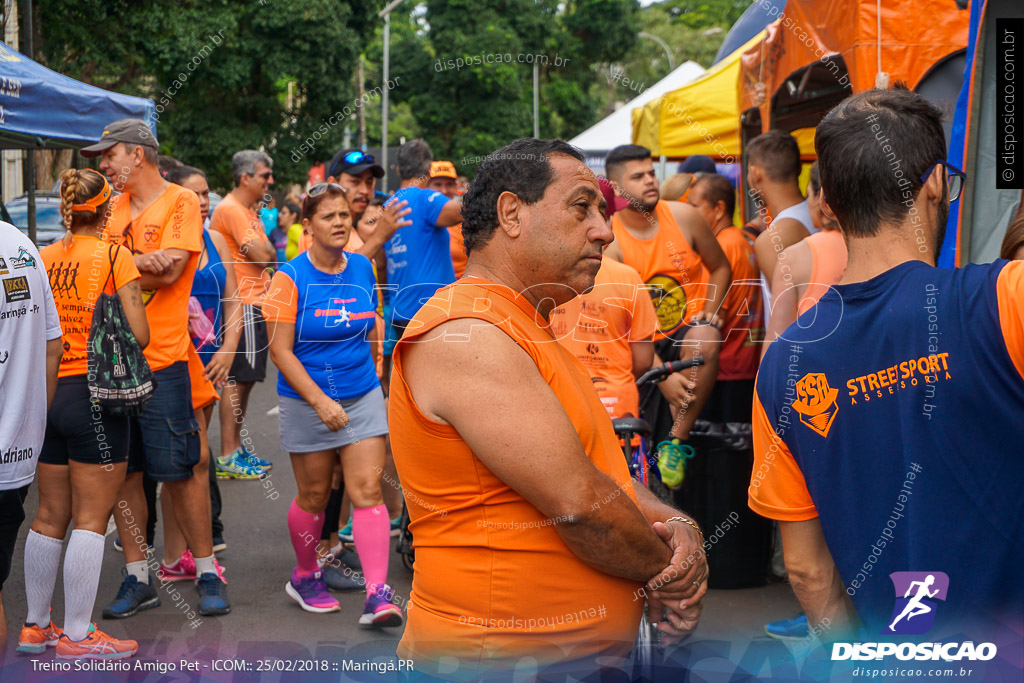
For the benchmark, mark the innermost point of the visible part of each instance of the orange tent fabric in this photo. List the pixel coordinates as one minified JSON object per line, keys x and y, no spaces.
{"x":915,"y":35}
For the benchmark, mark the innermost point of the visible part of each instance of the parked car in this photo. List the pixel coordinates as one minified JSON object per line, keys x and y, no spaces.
{"x":49,"y":226}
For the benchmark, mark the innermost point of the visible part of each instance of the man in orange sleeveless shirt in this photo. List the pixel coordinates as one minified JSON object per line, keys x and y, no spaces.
{"x":531,"y":540}
{"x":688,"y":276}
{"x":742,"y":312}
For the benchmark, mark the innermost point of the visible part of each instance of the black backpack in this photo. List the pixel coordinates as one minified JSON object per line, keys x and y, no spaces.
{"x":120,"y":379}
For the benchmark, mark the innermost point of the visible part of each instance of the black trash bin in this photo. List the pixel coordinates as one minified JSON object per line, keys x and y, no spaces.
{"x":715,"y":494}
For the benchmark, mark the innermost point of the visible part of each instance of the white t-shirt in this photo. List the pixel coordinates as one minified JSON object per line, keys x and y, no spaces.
{"x":28,"y":319}
{"x":802,"y":214}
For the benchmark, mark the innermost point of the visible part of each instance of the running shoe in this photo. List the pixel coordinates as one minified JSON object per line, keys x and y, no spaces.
{"x":671,"y":461}
{"x":251,"y":458}
{"x":133,"y":596}
{"x":311,"y":593}
{"x":184,"y":569}
{"x":237,"y":467}
{"x":345,"y":532}
{"x":788,"y":629}
{"x":378,"y":610}
{"x":342,"y":579}
{"x":396,"y":526}
{"x":219,"y":545}
{"x":35,"y":639}
{"x":95,"y":645}
{"x":213,"y":595}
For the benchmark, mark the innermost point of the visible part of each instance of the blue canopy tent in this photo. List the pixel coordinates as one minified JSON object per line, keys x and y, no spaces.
{"x":750,"y":23}
{"x":42,"y":109}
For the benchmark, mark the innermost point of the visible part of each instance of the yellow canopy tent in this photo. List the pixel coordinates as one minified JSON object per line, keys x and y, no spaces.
{"x":702,"y":117}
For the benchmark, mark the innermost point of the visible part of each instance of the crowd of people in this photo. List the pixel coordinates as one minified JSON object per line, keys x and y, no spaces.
{"x":562,"y":289}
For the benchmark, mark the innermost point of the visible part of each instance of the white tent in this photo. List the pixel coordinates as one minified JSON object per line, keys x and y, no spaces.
{"x":617,"y":128}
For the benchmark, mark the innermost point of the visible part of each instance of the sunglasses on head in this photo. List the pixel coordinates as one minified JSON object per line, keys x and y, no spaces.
{"x":320,"y":188}
{"x":358,"y":157}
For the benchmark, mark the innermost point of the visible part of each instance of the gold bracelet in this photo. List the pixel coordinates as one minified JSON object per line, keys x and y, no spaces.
{"x":692,"y":523}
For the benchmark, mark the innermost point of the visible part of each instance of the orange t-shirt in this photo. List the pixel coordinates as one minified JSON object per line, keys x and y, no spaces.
{"x":458,"y":249}
{"x":673,"y":272}
{"x":828,"y":263}
{"x":172,"y":221}
{"x":203,"y":391}
{"x":597,"y":328}
{"x":77,"y":276}
{"x":306,"y":241}
{"x":240,"y":224}
{"x":476,"y":584}
{"x":742,"y":311}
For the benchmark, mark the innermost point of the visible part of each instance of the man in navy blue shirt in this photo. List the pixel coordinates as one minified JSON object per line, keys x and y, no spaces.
{"x":419,"y":255}
{"x":888,"y":420}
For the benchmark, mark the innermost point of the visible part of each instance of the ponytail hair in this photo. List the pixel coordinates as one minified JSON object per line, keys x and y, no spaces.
{"x":80,"y":190}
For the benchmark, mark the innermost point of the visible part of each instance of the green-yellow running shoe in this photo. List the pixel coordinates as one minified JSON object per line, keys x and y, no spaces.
{"x":671,"y":457}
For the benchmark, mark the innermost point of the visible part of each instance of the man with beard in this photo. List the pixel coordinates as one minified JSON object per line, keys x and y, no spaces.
{"x":687,"y":275}
{"x":887,"y":429}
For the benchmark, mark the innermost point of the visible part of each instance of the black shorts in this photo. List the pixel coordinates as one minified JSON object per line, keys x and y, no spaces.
{"x":250,"y":364}
{"x":12,"y":514}
{"x":164,"y":440}
{"x":78,"y":429}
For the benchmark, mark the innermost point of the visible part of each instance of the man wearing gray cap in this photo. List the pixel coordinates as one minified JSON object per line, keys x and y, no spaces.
{"x":161,"y":224}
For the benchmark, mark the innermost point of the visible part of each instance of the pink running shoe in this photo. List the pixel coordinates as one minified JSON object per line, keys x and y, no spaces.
{"x":185,"y":569}
{"x":379,"y":610}
{"x":311,"y":593}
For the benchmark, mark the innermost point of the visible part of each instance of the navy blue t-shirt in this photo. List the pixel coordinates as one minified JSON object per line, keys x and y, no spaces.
{"x":894,"y":412}
{"x":419,"y":255}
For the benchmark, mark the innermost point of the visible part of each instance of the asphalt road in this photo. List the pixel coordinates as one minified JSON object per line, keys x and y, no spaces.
{"x":264,"y":622}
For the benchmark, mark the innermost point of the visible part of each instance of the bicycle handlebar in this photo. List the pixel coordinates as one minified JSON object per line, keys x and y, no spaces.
{"x":661,"y":372}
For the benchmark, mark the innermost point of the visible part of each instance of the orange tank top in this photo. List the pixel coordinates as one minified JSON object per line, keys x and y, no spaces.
{"x":494,"y":581}
{"x":828,"y":263}
{"x":672,"y":271}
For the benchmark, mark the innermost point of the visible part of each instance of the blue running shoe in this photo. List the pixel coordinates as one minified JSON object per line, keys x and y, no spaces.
{"x":788,"y":629}
{"x":396,"y":526}
{"x":378,"y":610}
{"x":345,"y":532}
{"x":236,"y":466}
{"x":251,"y":458}
{"x":213,"y":595}
{"x":132,"y":596}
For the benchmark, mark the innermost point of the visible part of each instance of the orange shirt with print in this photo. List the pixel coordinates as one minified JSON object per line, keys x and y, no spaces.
{"x":598,"y":327}
{"x":475,"y":584}
{"x":458,"y":249}
{"x":77,"y":276}
{"x":742,"y":311}
{"x":172,"y":221}
{"x":673,"y":272}
{"x":240,"y":224}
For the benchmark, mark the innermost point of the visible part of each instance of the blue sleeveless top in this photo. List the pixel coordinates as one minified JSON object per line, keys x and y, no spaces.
{"x":208,"y":287}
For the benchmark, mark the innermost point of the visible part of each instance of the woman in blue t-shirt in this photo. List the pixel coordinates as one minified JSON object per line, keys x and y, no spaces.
{"x":320,"y":313}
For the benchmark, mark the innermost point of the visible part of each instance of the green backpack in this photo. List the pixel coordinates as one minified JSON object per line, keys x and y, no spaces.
{"x":120,"y":379}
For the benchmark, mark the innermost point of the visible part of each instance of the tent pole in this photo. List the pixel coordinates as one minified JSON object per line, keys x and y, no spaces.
{"x":30,"y":160}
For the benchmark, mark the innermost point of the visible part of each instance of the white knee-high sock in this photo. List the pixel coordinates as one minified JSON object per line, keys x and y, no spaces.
{"x":42,"y":555}
{"x":82,"y":564}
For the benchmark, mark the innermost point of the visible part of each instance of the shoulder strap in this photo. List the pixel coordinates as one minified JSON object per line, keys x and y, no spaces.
{"x":111,"y":254}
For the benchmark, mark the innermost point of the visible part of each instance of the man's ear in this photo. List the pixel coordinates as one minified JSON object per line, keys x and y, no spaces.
{"x":510,"y":214}
{"x":932,"y":190}
{"x":754,"y":175}
{"x":825,"y":208}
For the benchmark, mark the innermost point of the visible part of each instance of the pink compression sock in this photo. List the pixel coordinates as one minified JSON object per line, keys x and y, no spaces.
{"x":305,"y":528}
{"x":371,"y":531}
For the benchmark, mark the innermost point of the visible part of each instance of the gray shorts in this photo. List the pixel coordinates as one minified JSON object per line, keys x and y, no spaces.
{"x":302,"y":431}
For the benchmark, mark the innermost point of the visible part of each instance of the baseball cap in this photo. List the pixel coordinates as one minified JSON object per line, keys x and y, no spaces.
{"x":443,"y":169}
{"x":353,"y":162}
{"x":613,"y":203}
{"x":697,"y":163}
{"x":130,"y":131}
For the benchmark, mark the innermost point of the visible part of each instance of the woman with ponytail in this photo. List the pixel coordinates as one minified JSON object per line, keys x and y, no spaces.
{"x":85,"y":451}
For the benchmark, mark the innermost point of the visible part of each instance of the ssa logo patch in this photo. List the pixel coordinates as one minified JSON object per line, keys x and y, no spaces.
{"x":917,"y":594}
{"x":816,"y":402}
{"x":16,"y":289}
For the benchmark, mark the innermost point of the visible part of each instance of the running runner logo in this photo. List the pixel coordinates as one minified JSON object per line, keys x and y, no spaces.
{"x":916,"y":596}
{"x":669,"y":300}
{"x":23,"y":260}
{"x":816,"y":402}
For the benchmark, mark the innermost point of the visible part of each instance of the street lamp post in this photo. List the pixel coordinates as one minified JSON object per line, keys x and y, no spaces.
{"x":386,"y":14}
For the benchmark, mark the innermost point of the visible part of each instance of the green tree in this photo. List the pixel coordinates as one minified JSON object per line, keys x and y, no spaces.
{"x":220,"y":71}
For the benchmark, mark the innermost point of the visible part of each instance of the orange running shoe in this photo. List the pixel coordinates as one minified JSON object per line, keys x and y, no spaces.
{"x":95,"y":645}
{"x":35,"y":639}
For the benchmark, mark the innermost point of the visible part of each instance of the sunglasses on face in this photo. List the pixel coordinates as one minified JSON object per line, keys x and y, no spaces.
{"x":267,"y":175}
{"x":954,"y":178}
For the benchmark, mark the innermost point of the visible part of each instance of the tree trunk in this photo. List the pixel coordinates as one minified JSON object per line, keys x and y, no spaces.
{"x":49,"y":164}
